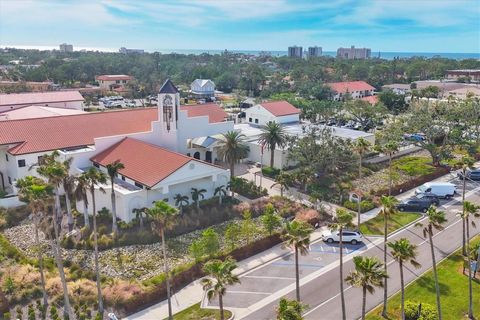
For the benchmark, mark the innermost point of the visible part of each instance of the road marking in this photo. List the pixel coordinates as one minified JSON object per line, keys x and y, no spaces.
{"x":249,"y":292}
{"x":287,"y":264}
{"x":267,"y":277}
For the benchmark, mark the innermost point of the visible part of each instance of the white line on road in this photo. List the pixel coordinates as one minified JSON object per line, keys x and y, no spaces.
{"x":267,"y":277}
{"x":249,"y":292}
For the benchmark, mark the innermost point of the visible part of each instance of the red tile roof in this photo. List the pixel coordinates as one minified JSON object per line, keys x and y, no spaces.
{"x":145,"y":163}
{"x":114,"y":77}
{"x":46,"y":134}
{"x":214,"y":112}
{"x":350,"y":86}
{"x":371,"y":99}
{"x":33,"y":98}
{"x":280,"y":108}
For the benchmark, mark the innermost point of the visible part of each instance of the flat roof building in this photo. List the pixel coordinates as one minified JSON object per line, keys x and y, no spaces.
{"x":295,"y":52}
{"x":354,"y":53}
{"x":314,"y":51}
{"x":64,"y":47}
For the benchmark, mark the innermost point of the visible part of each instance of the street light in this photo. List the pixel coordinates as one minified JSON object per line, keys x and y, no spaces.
{"x":357,"y":196}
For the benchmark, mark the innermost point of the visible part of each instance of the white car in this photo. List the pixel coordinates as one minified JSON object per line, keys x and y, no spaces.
{"x":353,"y":237}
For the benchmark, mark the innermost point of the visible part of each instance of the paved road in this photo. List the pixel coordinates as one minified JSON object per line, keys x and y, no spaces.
{"x":257,"y":296}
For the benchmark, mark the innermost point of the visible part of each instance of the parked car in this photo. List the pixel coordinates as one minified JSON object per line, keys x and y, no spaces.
{"x":428,"y":195}
{"x":353,"y":237}
{"x":440,"y":189}
{"x":416,"y":205}
{"x":471,"y":174}
{"x":414,"y":137}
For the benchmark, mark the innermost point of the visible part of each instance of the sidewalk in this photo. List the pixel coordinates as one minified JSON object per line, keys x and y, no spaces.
{"x":193,"y":293}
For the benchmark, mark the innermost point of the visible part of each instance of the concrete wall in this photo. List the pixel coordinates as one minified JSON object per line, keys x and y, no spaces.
{"x":280,"y":156}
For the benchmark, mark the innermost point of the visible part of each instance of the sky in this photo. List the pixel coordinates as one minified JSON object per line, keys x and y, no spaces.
{"x":271,"y":25}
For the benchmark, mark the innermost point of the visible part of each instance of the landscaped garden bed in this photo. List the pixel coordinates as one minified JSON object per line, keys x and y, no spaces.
{"x":453,"y":291}
{"x":247,"y":188}
{"x":195,"y":312}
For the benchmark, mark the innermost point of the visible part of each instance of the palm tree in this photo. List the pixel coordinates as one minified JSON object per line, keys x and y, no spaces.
{"x":197,"y":194}
{"x":436,"y":219}
{"x":389,"y":208}
{"x":304,"y":175}
{"x":163,"y":218}
{"x":390,"y":148}
{"x":404,"y":251}
{"x":112,"y":169}
{"x":180,"y":201}
{"x":273,"y":135}
{"x":290,"y":309}
{"x":232,"y":148}
{"x":220,"y":275}
{"x":369,"y":273}
{"x":81,"y":190}
{"x":465,"y":163}
{"x":55,"y":171}
{"x":68,"y":184}
{"x":37,"y":194}
{"x":343,"y":220}
{"x":361,"y":146}
{"x":139,"y":212}
{"x":469,"y":210}
{"x":283,"y":180}
{"x":95,"y":177}
{"x":221,"y":192}
{"x":296,"y":235}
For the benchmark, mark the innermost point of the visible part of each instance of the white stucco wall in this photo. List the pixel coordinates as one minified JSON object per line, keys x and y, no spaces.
{"x":264,"y":116}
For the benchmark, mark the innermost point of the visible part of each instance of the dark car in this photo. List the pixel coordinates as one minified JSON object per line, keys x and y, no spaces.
{"x":471,"y":174}
{"x":415,"y":204}
{"x":428,"y":195}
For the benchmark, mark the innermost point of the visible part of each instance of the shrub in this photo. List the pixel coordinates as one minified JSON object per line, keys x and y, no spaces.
{"x":365,"y":205}
{"x":309,"y":216}
{"x":232,"y":235}
{"x":414,"y":166}
{"x":7,"y":315}
{"x":428,"y":312}
{"x":270,"y":220}
{"x":248,"y":227}
{"x":247,"y":188}
{"x":270,"y":172}
{"x":207,"y":245}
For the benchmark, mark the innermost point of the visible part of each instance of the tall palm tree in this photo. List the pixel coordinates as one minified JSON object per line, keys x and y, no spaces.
{"x":163,"y":218}
{"x":232,"y":148}
{"x":404,"y":251}
{"x":36,"y":193}
{"x":197,"y":194}
{"x":54,"y":172}
{"x":296,"y":235}
{"x":390,"y":148}
{"x":95,"y":177}
{"x":465,"y":163}
{"x":68,"y":184}
{"x":436,"y":219}
{"x":470,"y":210}
{"x":220,"y":275}
{"x":361,"y":147}
{"x":290,"y":309}
{"x":304,"y":175}
{"x":283,"y":180}
{"x":112,"y":169}
{"x":343,"y":220}
{"x":139,"y":212}
{"x":180,"y":201}
{"x":221,"y":192}
{"x":388,"y":209}
{"x":369,"y":273}
{"x":81,"y":190}
{"x":273,"y":135}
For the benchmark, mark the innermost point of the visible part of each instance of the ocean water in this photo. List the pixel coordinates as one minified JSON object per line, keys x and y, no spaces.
{"x":383,"y":55}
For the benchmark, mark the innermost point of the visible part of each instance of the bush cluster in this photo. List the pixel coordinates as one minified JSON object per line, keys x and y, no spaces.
{"x":427,"y":311}
{"x":247,"y":188}
{"x":365,"y":205}
{"x":270,"y":172}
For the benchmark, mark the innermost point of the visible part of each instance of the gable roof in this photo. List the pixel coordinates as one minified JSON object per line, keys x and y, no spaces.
{"x":350,"y":86}
{"x":29,"y":112}
{"x":46,"y":134}
{"x":280,"y":108}
{"x":168,"y":87}
{"x":145,"y":163}
{"x":114,"y":77}
{"x":214,"y":112}
{"x":202,"y":82}
{"x":31,"y":98}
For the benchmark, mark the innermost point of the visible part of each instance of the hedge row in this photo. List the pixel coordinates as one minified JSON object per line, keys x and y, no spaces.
{"x":181,"y":279}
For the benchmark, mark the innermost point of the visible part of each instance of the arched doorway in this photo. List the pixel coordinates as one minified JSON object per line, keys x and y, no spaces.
{"x":196,"y":155}
{"x":208,"y":156}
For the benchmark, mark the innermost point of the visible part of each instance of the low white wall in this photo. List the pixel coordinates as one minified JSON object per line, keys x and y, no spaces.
{"x":11,"y":202}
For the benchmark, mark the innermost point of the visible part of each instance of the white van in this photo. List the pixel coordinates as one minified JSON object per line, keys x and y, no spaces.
{"x":440,"y":189}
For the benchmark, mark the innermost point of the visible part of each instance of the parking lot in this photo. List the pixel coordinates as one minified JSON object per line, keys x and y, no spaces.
{"x":261,"y":282}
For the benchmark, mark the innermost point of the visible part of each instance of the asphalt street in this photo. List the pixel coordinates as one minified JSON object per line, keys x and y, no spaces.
{"x":260,"y":289}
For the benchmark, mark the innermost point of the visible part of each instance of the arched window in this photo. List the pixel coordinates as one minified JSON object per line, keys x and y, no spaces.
{"x":196,"y":155}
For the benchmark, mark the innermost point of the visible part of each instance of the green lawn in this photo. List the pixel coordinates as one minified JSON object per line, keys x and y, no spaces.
{"x":375,"y":226}
{"x":197,"y":313}
{"x":453,"y":291}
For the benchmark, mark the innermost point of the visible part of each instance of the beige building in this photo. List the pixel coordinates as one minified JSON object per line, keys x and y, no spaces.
{"x":472,"y":75}
{"x":109,"y":82}
{"x":354,"y":53}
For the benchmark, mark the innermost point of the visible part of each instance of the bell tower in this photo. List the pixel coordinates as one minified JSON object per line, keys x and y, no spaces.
{"x":168,"y":104}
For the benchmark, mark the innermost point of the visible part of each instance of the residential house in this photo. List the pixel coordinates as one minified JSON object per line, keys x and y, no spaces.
{"x":279,"y":111}
{"x":110,"y":82}
{"x":202,"y":89}
{"x":353,"y":89}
